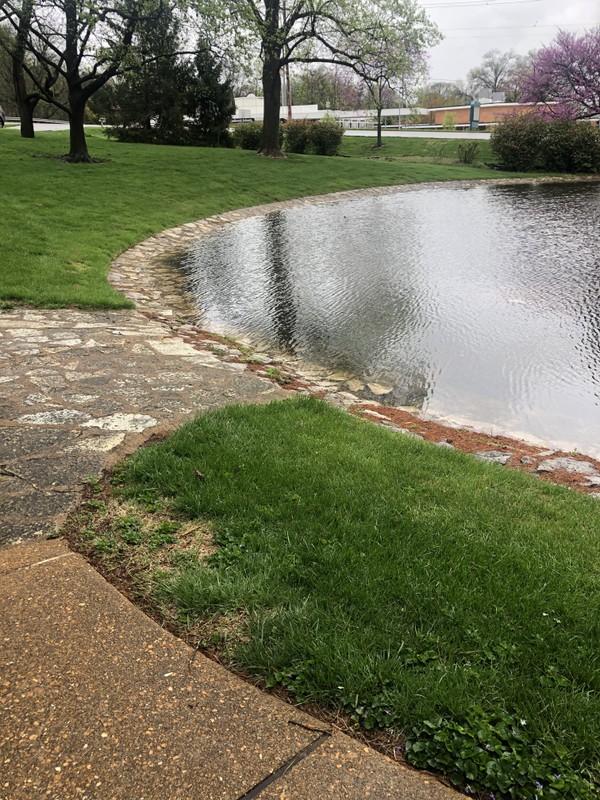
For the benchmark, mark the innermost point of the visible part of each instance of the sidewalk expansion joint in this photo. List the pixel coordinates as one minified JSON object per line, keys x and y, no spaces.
{"x":285,"y":768}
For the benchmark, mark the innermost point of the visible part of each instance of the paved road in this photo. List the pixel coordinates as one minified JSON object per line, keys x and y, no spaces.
{"x":422,"y":134}
{"x":40,"y":127}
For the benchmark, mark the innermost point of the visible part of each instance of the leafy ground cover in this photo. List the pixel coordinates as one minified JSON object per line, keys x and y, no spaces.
{"x":63,"y":224}
{"x":417,"y":589}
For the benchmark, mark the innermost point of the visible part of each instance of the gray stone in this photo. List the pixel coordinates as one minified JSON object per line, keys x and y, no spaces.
{"x":569,"y":465}
{"x":494,"y":456}
{"x":446,"y":445}
{"x":65,"y":416}
{"x":131,"y":423}
{"x":526,"y":460}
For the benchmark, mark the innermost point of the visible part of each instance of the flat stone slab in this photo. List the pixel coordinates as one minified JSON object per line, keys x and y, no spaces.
{"x":79,"y":402}
{"x":569,"y":465}
{"x":98,"y":701}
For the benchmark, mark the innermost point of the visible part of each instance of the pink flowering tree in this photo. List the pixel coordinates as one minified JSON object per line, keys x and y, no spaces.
{"x":565,"y":76}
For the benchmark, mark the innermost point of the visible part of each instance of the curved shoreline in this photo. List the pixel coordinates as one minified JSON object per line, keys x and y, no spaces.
{"x":145,"y":274}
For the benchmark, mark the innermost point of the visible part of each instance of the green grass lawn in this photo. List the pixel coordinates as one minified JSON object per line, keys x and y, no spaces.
{"x":400,"y":147}
{"x":62,"y":224}
{"x":411,"y":586}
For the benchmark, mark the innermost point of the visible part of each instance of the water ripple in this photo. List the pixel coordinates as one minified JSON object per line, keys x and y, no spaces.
{"x":481,"y":303}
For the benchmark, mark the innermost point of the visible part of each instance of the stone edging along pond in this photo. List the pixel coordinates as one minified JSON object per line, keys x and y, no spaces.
{"x":146,"y":275}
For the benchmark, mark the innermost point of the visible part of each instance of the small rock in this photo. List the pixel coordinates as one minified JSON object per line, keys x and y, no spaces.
{"x":355,"y":385}
{"x":347,"y":398}
{"x":445,"y":443}
{"x":526,"y":460}
{"x":377,"y":389}
{"x":569,"y":465}
{"x":494,"y":456}
{"x":375,"y":414}
{"x":260,"y":358}
{"x":593,"y":481}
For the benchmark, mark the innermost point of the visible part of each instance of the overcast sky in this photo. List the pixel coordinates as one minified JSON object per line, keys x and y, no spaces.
{"x":472,"y":27}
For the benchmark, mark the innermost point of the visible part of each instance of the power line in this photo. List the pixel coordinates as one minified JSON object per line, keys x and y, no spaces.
{"x":499,"y":36}
{"x":477,"y":3}
{"x":518,"y":27}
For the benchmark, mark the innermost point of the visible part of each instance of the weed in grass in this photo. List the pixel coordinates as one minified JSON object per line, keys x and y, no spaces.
{"x":93,"y":483}
{"x":276,"y":374}
{"x":496,"y":752}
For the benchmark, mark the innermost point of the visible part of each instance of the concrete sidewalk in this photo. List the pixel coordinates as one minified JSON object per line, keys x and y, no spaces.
{"x":97,"y":701}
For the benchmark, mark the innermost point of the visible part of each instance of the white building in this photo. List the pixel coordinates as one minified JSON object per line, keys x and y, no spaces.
{"x":251,"y":108}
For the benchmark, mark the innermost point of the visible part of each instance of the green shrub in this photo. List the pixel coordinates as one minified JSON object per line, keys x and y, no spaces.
{"x":297,"y":135}
{"x":568,"y":146}
{"x":325,"y":138}
{"x":516,"y":142}
{"x":467,"y":152}
{"x":498,"y":754}
{"x":449,"y":123}
{"x":528,"y":142}
{"x":247,"y":135}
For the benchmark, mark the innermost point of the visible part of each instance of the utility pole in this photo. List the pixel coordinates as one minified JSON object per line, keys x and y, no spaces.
{"x":288,"y":86}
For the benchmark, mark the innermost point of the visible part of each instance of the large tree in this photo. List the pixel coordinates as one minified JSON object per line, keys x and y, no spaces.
{"x":390,"y":51}
{"x":565,"y":76}
{"x":301,"y":31}
{"x":442,"y":93}
{"x":496,"y":73}
{"x":329,"y":86}
{"x":19,"y":93}
{"x":81,"y":42}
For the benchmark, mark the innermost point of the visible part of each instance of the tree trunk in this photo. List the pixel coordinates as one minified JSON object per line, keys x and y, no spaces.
{"x":379,"y":140}
{"x":26,"y":105}
{"x":271,"y":79}
{"x":26,"y":102}
{"x":26,"y":109}
{"x":78,"y":152}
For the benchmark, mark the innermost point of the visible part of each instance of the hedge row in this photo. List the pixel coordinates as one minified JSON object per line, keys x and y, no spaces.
{"x":322,"y":138}
{"x":527,"y":143}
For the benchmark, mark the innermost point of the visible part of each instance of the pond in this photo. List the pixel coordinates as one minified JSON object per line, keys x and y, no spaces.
{"x":480,"y":304}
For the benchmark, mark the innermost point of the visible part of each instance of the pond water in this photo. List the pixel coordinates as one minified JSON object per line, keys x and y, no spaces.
{"x":480,"y":304}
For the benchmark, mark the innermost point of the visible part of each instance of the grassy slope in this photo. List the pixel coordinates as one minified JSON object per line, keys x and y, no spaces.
{"x":400,"y":147}
{"x":456,"y":584}
{"x":62,"y":224}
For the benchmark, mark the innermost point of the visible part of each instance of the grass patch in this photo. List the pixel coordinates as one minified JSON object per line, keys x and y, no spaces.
{"x":431,"y":150}
{"x":62,"y":224}
{"x":415,"y":588}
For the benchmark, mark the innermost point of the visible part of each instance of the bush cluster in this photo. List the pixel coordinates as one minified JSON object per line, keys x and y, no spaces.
{"x":247,"y":135}
{"x":297,"y":135}
{"x":322,"y":138}
{"x":190,"y":135}
{"x":325,"y":138}
{"x":527,"y":143}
